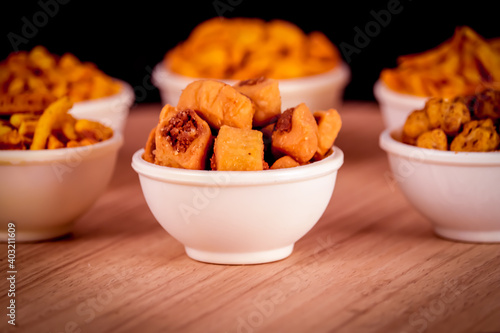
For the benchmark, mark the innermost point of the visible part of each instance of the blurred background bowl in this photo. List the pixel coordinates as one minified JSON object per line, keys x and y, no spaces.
{"x":395,"y":107}
{"x":318,"y":92}
{"x":111,"y":111}
{"x":457,"y":191}
{"x":44,"y":192}
{"x":238,"y":217}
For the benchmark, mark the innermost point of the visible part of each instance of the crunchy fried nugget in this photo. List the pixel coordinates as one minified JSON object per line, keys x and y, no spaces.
{"x":477,"y":135}
{"x":296,"y":134}
{"x":182,"y":139}
{"x":416,"y":123}
{"x":238,"y":149}
{"x":329,"y":124}
{"x":449,"y":115}
{"x":285,"y":162}
{"x":434,"y":139}
{"x":218,"y":103}
{"x":265,"y":94}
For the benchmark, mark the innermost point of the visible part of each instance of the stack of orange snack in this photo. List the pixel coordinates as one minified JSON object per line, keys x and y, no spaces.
{"x":30,"y":81}
{"x":463,"y":65}
{"x":54,"y":128}
{"x":242,"y":48}
{"x":216,"y":126}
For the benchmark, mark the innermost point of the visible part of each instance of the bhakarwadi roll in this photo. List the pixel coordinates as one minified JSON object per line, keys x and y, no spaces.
{"x":182,"y":139}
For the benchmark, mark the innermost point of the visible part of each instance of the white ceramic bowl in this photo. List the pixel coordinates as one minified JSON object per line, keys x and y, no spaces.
{"x":457,"y":191}
{"x":43,"y":192}
{"x":111,"y":111}
{"x":319,"y":92}
{"x":238,"y":217}
{"x":396,"y":107}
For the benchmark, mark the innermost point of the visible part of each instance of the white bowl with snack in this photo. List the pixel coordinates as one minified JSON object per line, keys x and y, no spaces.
{"x":52,"y":176}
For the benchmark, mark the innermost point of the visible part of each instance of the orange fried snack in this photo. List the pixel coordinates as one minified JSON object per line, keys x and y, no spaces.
{"x":458,"y":66}
{"x":54,"y":128}
{"x":266,"y":97}
{"x":416,"y":123}
{"x":329,"y":124}
{"x":218,"y":103}
{"x":477,"y":135}
{"x":448,"y":115}
{"x":182,"y":139}
{"x":296,"y":134}
{"x":237,"y":149}
{"x":30,"y":81}
{"x":285,"y":162}
{"x":435,"y":139}
{"x":150,"y":147}
{"x":242,"y":48}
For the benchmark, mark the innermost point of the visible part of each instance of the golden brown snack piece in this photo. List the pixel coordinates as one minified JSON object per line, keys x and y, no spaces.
{"x":285,"y":162}
{"x":52,"y":118}
{"x":150,"y":147}
{"x":329,"y":124}
{"x":456,"y":67}
{"x":478,"y":136}
{"x":182,"y":139}
{"x":266,"y":96}
{"x":447,"y":114}
{"x":218,"y":103}
{"x":296,"y":134}
{"x":416,"y":123}
{"x":237,"y":149}
{"x":435,"y":139}
{"x":485,"y":104}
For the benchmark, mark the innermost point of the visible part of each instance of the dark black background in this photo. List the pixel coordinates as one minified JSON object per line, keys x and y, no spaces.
{"x":127,"y":39}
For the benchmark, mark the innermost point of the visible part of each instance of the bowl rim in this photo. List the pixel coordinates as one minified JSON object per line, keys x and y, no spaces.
{"x":388,"y":141}
{"x":16,"y":156}
{"x":340,"y":73}
{"x":328,"y":165}
{"x":385,"y":94}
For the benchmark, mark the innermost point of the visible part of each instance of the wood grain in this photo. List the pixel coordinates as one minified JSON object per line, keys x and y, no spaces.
{"x":371,"y":264}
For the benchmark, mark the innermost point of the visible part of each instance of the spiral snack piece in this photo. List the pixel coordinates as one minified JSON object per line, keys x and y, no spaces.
{"x":296,"y":134}
{"x":217,"y":103}
{"x":182,"y":139}
{"x":266,"y":97}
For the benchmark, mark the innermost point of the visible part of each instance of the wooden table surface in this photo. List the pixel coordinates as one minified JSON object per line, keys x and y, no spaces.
{"x":371,"y":264}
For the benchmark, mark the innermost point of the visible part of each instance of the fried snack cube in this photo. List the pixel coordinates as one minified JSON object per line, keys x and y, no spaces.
{"x":285,"y":162}
{"x":266,"y":97}
{"x":217,"y":103}
{"x":434,"y":139}
{"x":329,"y":124}
{"x":416,"y":123}
{"x":296,"y":134}
{"x":150,"y":147}
{"x":478,"y":136}
{"x":447,"y":114}
{"x":182,"y":139}
{"x":238,"y":149}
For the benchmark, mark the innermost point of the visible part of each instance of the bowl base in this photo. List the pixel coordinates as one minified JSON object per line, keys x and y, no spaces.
{"x":242,"y":258}
{"x":469,"y":236}
{"x":37,"y":235}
